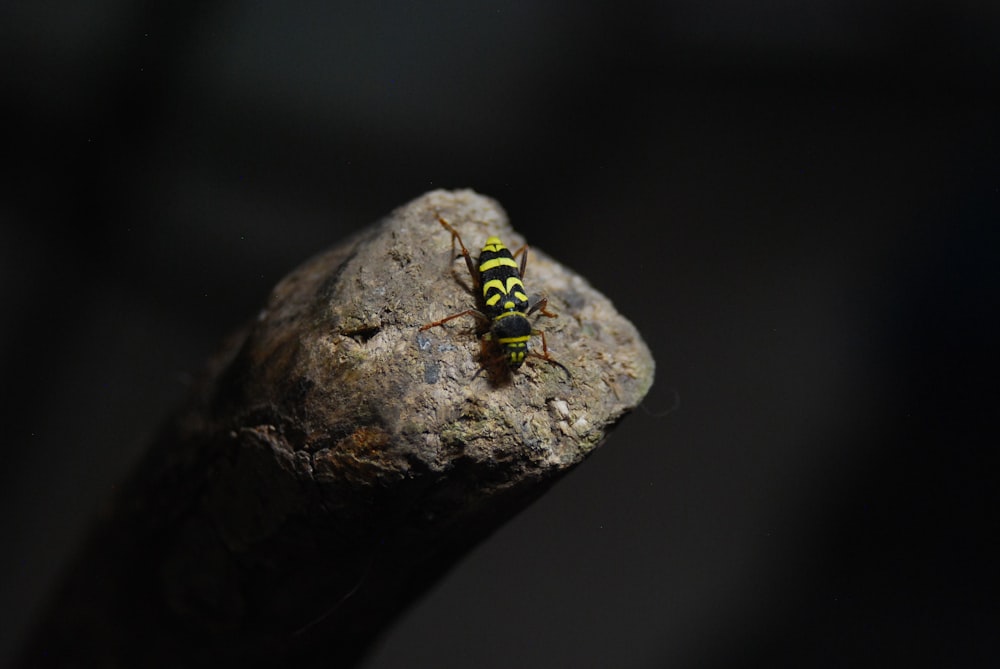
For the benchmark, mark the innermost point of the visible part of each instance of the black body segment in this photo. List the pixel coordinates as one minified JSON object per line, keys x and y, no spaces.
{"x":500,"y":278}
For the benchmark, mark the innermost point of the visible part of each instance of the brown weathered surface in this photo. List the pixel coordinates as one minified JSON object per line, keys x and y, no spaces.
{"x":336,"y":460}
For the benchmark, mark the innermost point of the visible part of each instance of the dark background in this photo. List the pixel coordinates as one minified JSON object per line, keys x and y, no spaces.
{"x":797,"y":204}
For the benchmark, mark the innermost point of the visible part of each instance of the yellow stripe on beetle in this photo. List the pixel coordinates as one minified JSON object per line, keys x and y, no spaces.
{"x":513,"y":340}
{"x":493,"y":263}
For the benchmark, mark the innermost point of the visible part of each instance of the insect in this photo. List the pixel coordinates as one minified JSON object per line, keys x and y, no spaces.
{"x":497,"y":279}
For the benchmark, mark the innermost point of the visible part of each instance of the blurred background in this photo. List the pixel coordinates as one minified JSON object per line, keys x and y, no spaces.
{"x":796,"y":203}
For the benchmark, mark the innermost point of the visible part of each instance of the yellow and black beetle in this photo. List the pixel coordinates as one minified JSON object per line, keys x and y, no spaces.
{"x":498,"y":279}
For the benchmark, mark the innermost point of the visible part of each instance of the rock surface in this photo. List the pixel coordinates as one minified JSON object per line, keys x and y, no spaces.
{"x":336,"y":459}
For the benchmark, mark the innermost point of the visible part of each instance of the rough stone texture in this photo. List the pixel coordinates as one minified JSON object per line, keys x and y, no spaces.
{"x":335,"y":460}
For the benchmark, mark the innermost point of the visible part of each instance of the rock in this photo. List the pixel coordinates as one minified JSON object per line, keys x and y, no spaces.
{"x":336,"y":459}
